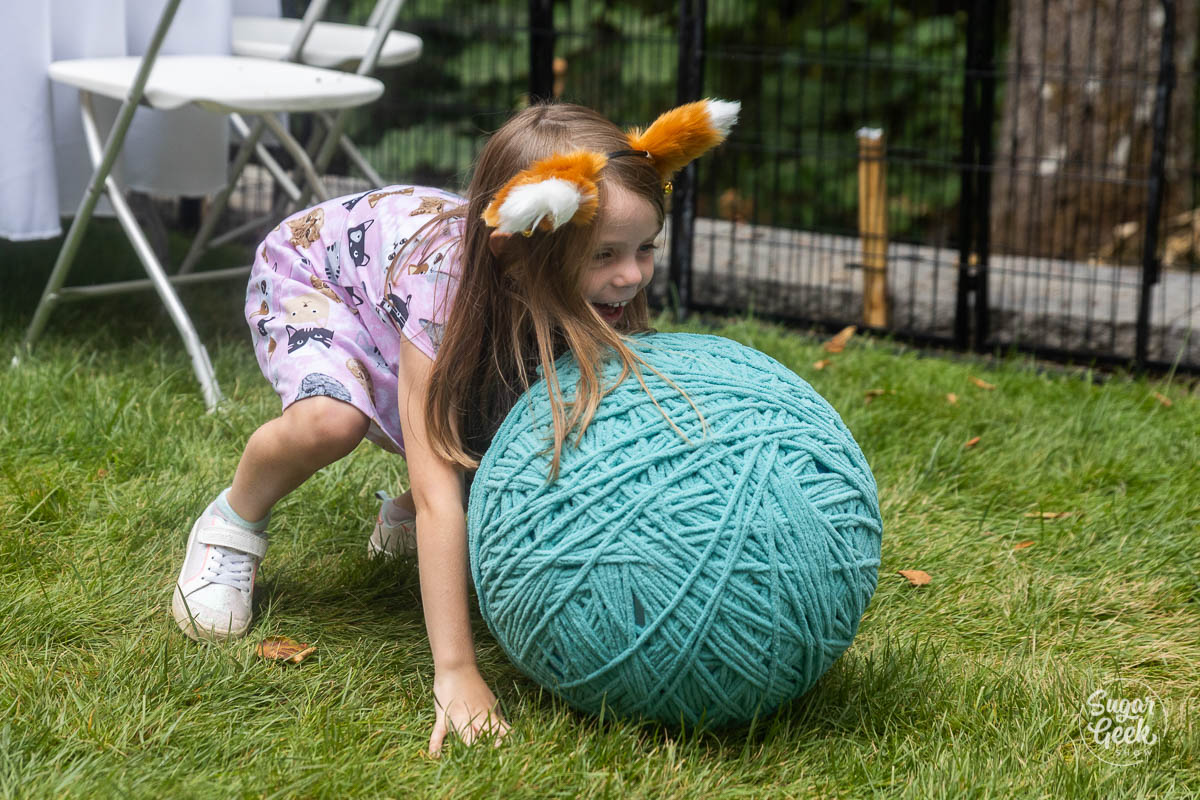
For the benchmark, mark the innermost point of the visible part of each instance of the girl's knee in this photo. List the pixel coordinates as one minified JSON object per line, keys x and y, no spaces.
{"x":323,"y":422}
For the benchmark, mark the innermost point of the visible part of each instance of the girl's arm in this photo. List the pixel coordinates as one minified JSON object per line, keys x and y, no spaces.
{"x":463,"y":702}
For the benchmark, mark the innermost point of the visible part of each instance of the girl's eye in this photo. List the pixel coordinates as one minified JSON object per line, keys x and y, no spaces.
{"x":602,"y":255}
{"x":648,"y":248}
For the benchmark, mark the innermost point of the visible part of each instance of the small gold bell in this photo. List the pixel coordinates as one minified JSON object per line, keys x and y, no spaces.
{"x":668,"y":187}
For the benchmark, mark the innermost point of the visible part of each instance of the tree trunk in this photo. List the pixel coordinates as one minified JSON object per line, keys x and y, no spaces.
{"x":1073,"y":155}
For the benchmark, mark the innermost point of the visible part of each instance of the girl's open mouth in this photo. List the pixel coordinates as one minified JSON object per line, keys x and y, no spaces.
{"x":611,"y":314}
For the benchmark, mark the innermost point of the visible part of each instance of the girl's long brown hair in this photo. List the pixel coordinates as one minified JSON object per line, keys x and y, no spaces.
{"x":513,"y":314}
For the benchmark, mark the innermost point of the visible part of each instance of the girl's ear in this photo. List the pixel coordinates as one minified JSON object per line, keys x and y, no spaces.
{"x":498,"y":243}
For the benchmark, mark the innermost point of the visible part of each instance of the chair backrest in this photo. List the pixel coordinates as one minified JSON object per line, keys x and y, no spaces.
{"x":382,"y":18}
{"x":381,"y":21}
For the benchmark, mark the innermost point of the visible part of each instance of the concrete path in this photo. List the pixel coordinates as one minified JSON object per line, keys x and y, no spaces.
{"x":1035,"y":302}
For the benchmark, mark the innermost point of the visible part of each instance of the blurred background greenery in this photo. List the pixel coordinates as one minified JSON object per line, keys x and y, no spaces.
{"x":808,"y":75}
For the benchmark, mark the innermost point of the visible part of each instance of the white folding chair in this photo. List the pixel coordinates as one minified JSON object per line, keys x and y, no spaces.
{"x":362,"y":48}
{"x":222,"y":84}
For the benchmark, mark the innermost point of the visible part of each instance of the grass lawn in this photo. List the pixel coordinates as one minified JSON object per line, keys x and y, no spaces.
{"x":970,"y":686}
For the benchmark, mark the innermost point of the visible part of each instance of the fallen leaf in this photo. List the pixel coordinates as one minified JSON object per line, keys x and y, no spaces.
{"x":1162,"y":398}
{"x":1023,"y":545}
{"x":974,"y":440}
{"x":1049,"y":514}
{"x":871,"y":394}
{"x":101,"y":474}
{"x":916,"y":577}
{"x":822,"y":364}
{"x":838,"y":342}
{"x":982,"y":384}
{"x":281,"y":648}
{"x":952,"y":399}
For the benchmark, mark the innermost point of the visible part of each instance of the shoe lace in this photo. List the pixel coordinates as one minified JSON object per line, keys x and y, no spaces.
{"x":230,"y":568}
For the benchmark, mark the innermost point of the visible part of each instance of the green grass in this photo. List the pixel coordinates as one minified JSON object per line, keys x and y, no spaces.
{"x":968,"y":687}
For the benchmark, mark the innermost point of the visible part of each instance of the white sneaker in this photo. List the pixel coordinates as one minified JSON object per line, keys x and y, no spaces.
{"x":215,"y":586}
{"x":395,"y":531}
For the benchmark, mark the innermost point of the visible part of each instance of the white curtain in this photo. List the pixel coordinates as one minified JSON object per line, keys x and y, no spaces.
{"x":44,"y":167}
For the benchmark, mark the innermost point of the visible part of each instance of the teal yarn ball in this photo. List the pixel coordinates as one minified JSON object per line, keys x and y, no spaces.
{"x":707,"y":582}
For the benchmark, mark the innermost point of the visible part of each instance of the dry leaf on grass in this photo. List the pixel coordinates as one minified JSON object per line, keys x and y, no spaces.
{"x":916,"y":577}
{"x":281,"y":648}
{"x":1162,"y":398}
{"x":1049,"y":514}
{"x":982,"y":384}
{"x":871,"y":394}
{"x":952,"y":399}
{"x":838,"y":343}
{"x":822,"y":364}
{"x":1023,"y":545}
{"x":974,"y":440}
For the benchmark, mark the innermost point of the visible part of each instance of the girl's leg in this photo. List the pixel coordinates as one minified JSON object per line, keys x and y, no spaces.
{"x":282,"y":454}
{"x":405,"y":501}
{"x":215,"y":588}
{"x":395,"y":532}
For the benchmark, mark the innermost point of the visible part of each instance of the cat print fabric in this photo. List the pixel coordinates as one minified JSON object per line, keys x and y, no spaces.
{"x":327,"y":314}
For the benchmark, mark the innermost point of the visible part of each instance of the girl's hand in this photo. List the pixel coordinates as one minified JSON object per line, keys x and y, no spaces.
{"x":465,"y":706}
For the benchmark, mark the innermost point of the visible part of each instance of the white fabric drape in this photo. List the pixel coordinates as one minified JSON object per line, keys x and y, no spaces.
{"x":44,"y":167}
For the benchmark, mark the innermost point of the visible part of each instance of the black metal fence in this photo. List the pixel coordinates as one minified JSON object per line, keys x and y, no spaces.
{"x":1041,"y":155}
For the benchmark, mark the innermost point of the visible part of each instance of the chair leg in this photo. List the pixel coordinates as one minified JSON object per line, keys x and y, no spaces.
{"x":352,"y":152}
{"x":209,"y":224}
{"x":201,"y":364}
{"x":251,"y":136}
{"x":58,"y":275}
{"x":268,"y":161}
{"x":204,"y":238}
{"x":297,"y":152}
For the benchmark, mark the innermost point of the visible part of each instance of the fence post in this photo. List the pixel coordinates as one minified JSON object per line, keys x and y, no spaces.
{"x":968,"y":187}
{"x":985,"y":65}
{"x":972,"y":321}
{"x":541,"y":50}
{"x":872,"y":225}
{"x":690,"y":79}
{"x":1157,"y":182}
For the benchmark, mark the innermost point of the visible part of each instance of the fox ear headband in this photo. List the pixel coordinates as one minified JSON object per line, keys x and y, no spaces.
{"x":562,"y":188}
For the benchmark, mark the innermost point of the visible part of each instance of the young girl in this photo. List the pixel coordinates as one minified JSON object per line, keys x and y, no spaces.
{"x":416,"y":318}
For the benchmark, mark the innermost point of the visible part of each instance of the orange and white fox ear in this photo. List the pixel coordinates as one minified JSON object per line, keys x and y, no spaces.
{"x":548,"y":194}
{"x":683,"y":134}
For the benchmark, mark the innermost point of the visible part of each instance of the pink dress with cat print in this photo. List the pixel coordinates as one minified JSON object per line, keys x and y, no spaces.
{"x":325,"y":319}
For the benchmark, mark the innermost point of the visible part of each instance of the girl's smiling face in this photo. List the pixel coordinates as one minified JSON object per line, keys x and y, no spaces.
{"x":623,"y":263}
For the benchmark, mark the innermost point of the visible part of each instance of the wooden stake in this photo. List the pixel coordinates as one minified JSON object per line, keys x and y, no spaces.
{"x":560,"y":75}
{"x":872,"y":225}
